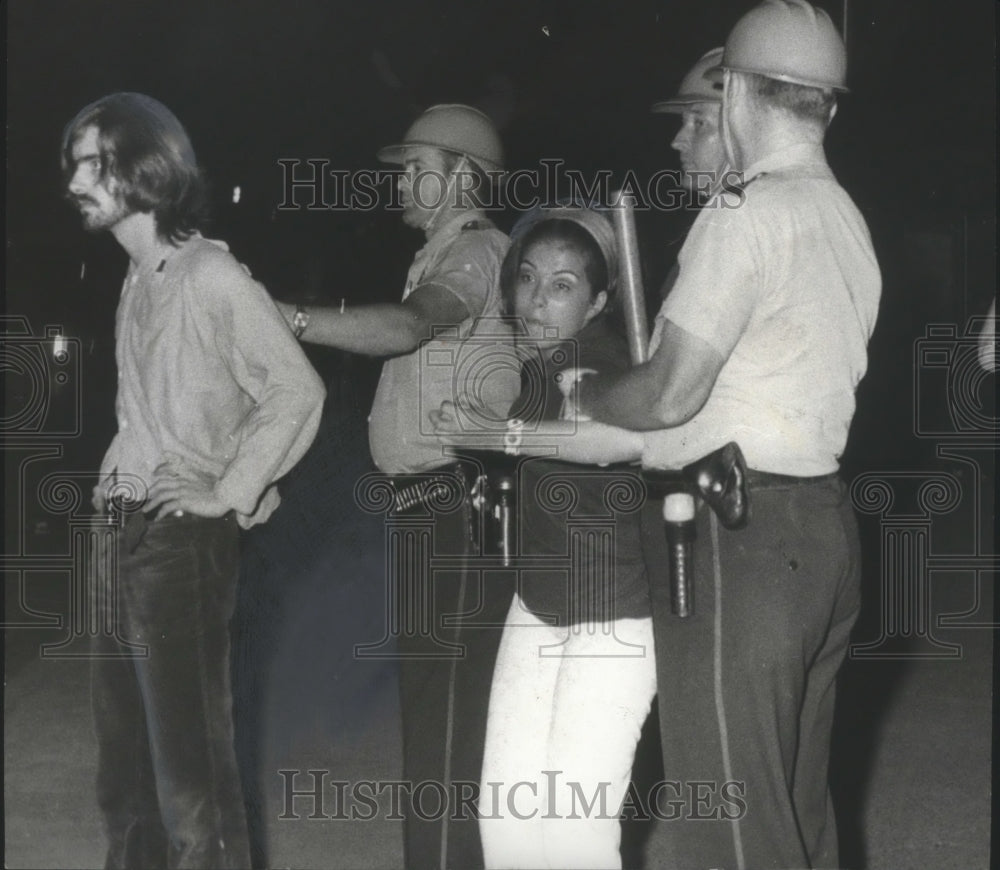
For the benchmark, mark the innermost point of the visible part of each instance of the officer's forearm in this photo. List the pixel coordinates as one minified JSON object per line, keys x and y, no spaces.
{"x":630,"y":400}
{"x":374,"y":330}
{"x":586,"y":442}
{"x":667,"y":390}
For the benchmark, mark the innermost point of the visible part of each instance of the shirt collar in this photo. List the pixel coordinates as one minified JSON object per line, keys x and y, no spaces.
{"x":802,"y":154}
{"x":453,"y":225}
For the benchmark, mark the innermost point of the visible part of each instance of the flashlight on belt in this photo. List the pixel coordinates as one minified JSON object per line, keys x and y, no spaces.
{"x":678,"y":518}
{"x":719,"y":480}
{"x":504,"y":514}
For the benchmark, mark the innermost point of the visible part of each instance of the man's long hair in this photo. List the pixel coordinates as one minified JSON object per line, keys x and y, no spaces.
{"x":147,"y":152}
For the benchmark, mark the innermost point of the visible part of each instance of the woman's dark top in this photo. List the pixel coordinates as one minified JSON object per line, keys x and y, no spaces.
{"x":583,"y":519}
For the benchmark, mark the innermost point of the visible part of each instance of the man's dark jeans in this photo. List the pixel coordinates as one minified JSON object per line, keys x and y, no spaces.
{"x":167,"y":782}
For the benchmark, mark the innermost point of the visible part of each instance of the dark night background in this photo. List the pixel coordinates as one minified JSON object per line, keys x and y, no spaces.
{"x":254,"y":82}
{"x":914,"y":142}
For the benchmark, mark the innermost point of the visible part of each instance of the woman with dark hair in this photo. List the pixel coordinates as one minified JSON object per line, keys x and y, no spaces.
{"x":575,"y":674}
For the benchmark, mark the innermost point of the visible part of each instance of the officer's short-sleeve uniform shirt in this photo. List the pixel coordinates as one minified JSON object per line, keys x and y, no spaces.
{"x":785,"y":286}
{"x":463,"y":257}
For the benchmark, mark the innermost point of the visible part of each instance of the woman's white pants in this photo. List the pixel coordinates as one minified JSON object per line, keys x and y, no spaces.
{"x":566,"y":709}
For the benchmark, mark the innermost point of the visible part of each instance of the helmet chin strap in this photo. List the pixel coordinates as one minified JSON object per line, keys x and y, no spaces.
{"x":442,"y":207}
{"x":728,"y":141}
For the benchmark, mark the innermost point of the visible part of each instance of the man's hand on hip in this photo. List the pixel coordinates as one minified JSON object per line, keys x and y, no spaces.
{"x":177,"y":488}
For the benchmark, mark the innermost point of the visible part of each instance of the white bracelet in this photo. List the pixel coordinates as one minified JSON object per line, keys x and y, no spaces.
{"x":512,"y":437}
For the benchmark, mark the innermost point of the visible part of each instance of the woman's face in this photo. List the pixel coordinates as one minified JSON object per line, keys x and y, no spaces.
{"x":553,"y":295}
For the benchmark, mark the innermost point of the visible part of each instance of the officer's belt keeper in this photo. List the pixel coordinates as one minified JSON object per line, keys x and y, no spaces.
{"x":720,"y":480}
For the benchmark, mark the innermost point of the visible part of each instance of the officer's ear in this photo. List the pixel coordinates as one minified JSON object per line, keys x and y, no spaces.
{"x":833,"y":114}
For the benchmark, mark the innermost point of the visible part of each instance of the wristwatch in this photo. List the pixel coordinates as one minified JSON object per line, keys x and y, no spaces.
{"x":300,"y":320}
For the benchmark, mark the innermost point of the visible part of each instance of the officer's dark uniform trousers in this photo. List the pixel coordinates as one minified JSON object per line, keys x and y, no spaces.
{"x":746,"y":684}
{"x":451,"y":622}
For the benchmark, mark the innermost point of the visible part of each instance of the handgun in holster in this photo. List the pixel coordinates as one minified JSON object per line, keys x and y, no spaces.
{"x":494,"y":495}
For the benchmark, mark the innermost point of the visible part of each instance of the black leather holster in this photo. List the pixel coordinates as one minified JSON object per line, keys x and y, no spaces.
{"x":719,"y":478}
